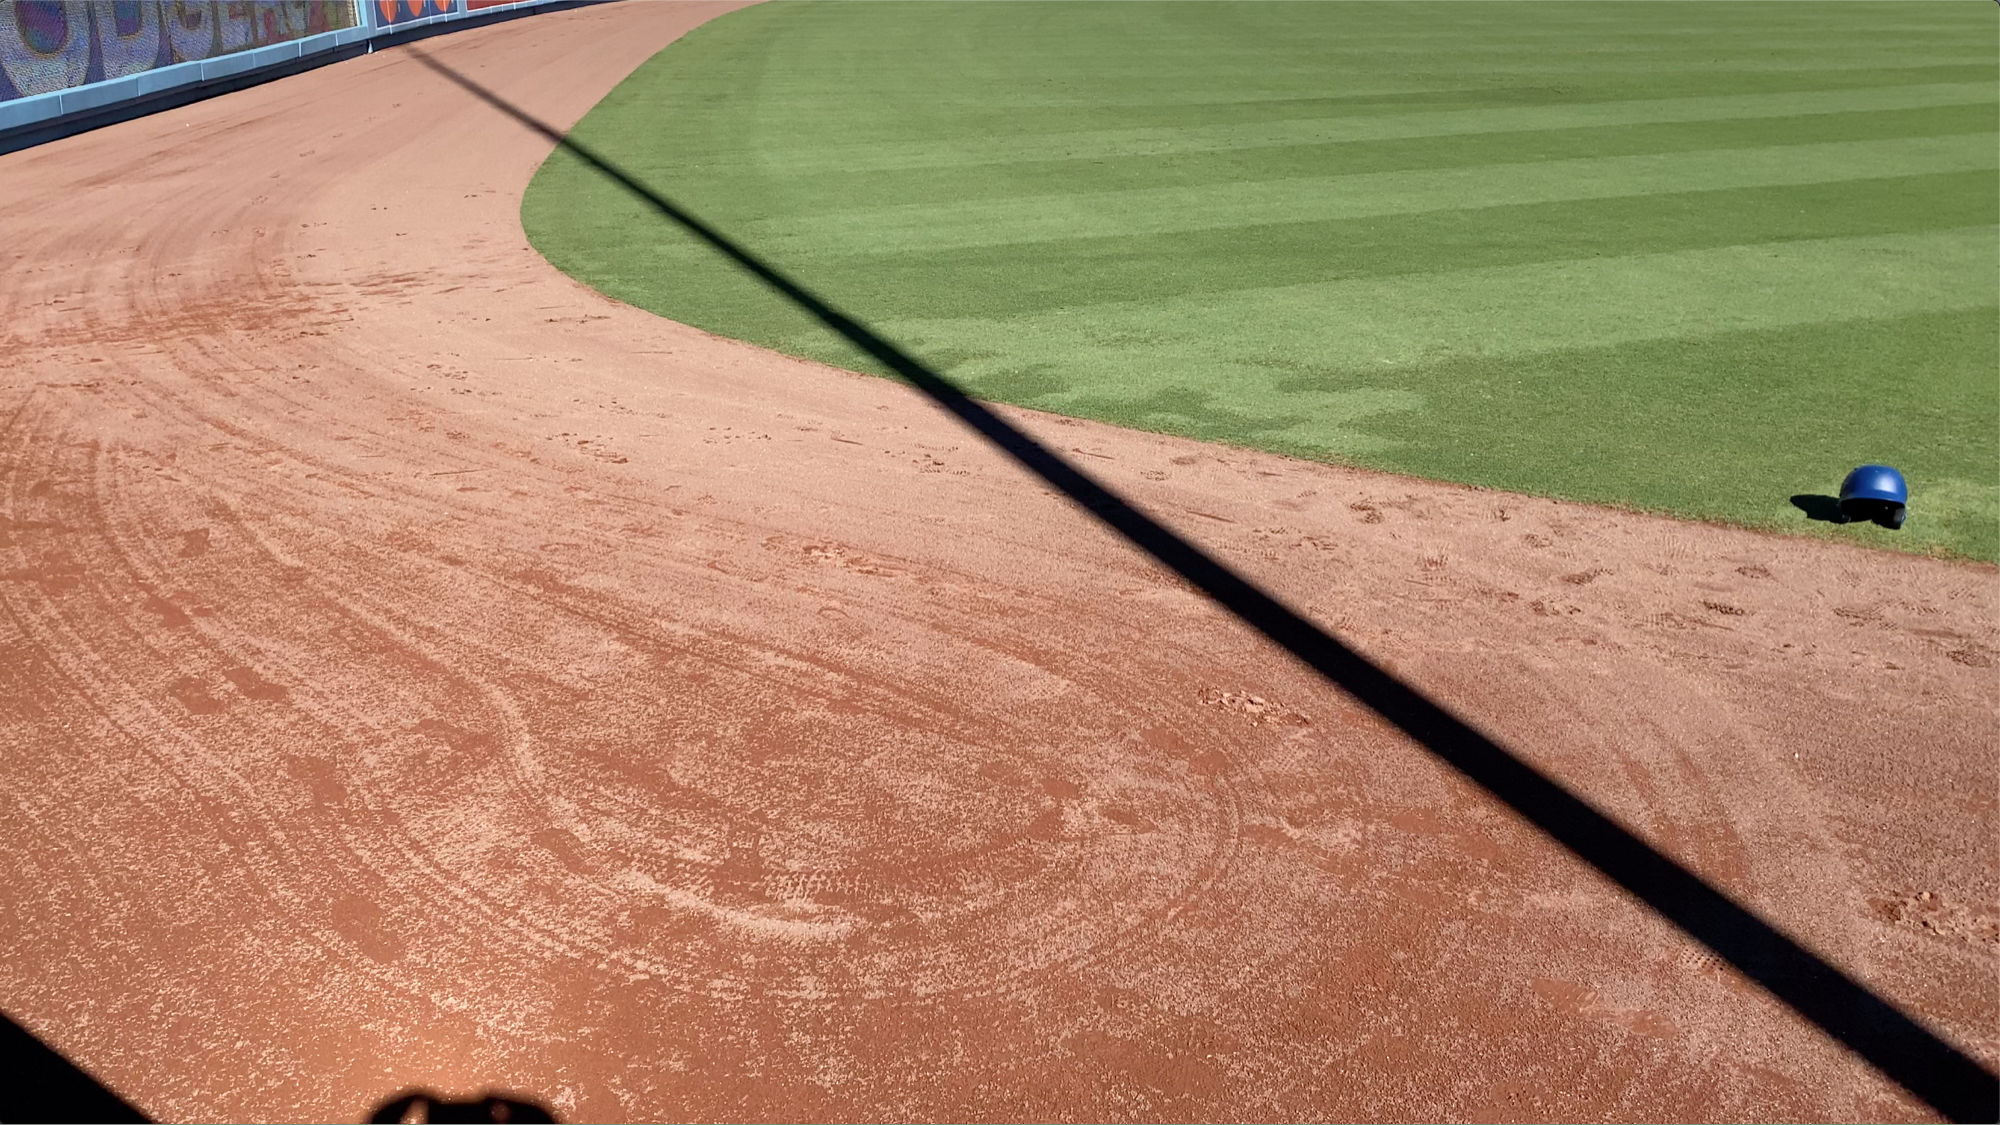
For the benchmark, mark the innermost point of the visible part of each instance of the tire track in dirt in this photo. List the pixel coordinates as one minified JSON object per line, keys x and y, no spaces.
{"x":377,"y":615}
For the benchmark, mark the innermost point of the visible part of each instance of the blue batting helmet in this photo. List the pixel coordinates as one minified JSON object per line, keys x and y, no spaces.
{"x":1875,"y":492}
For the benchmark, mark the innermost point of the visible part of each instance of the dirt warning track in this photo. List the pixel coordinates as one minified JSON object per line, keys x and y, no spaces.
{"x":416,"y":669}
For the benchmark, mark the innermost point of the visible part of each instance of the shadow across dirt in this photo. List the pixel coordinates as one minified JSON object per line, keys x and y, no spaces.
{"x":1844,"y":1009}
{"x":422,"y":1105}
{"x":1817,"y":507}
{"x":44,"y":1086}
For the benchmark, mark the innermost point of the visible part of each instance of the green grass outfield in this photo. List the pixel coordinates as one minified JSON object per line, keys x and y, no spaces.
{"x":1692,"y":258}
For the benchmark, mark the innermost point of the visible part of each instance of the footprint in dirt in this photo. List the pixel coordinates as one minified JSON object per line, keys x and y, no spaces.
{"x":1930,"y":912}
{"x":193,"y":696}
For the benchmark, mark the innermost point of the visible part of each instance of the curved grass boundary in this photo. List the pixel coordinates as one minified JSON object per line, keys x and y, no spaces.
{"x":1685,"y":258}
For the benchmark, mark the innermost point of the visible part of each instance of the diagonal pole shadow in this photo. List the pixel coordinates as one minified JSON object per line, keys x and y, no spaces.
{"x":1895,"y":1044}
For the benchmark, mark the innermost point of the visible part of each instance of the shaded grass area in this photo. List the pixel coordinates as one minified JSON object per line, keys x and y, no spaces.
{"x":1682,"y":257}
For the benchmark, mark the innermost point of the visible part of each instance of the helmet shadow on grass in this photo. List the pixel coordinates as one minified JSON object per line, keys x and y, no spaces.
{"x":1831,"y":509}
{"x":1817,"y":507}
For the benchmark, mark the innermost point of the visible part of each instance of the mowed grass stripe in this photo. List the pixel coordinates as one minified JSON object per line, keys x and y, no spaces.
{"x":1775,"y":294}
{"x":1141,"y":211}
{"x":1038,"y":107}
{"x":1155,"y":141}
{"x":1070,"y":274}
{"x":1081,"y":273}
{"x":748,"y":194}
{"x":1342,"y":330}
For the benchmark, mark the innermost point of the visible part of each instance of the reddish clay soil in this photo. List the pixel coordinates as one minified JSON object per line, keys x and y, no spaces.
{"x":417,"y":669}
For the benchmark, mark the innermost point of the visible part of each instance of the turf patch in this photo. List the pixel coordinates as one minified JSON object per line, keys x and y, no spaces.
{"x":1681,"y":257}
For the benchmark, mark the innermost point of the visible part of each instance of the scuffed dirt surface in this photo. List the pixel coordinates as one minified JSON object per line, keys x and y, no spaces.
{"x":416,"y":669}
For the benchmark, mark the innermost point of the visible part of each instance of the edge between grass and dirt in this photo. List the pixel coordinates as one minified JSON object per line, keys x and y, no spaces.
{"x":1818,"y":293}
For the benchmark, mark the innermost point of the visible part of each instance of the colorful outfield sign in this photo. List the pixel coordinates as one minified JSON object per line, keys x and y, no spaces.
{"x":47,"y":46}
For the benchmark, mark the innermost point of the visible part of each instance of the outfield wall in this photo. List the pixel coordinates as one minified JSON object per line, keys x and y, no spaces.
{"x":74,"y":62}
